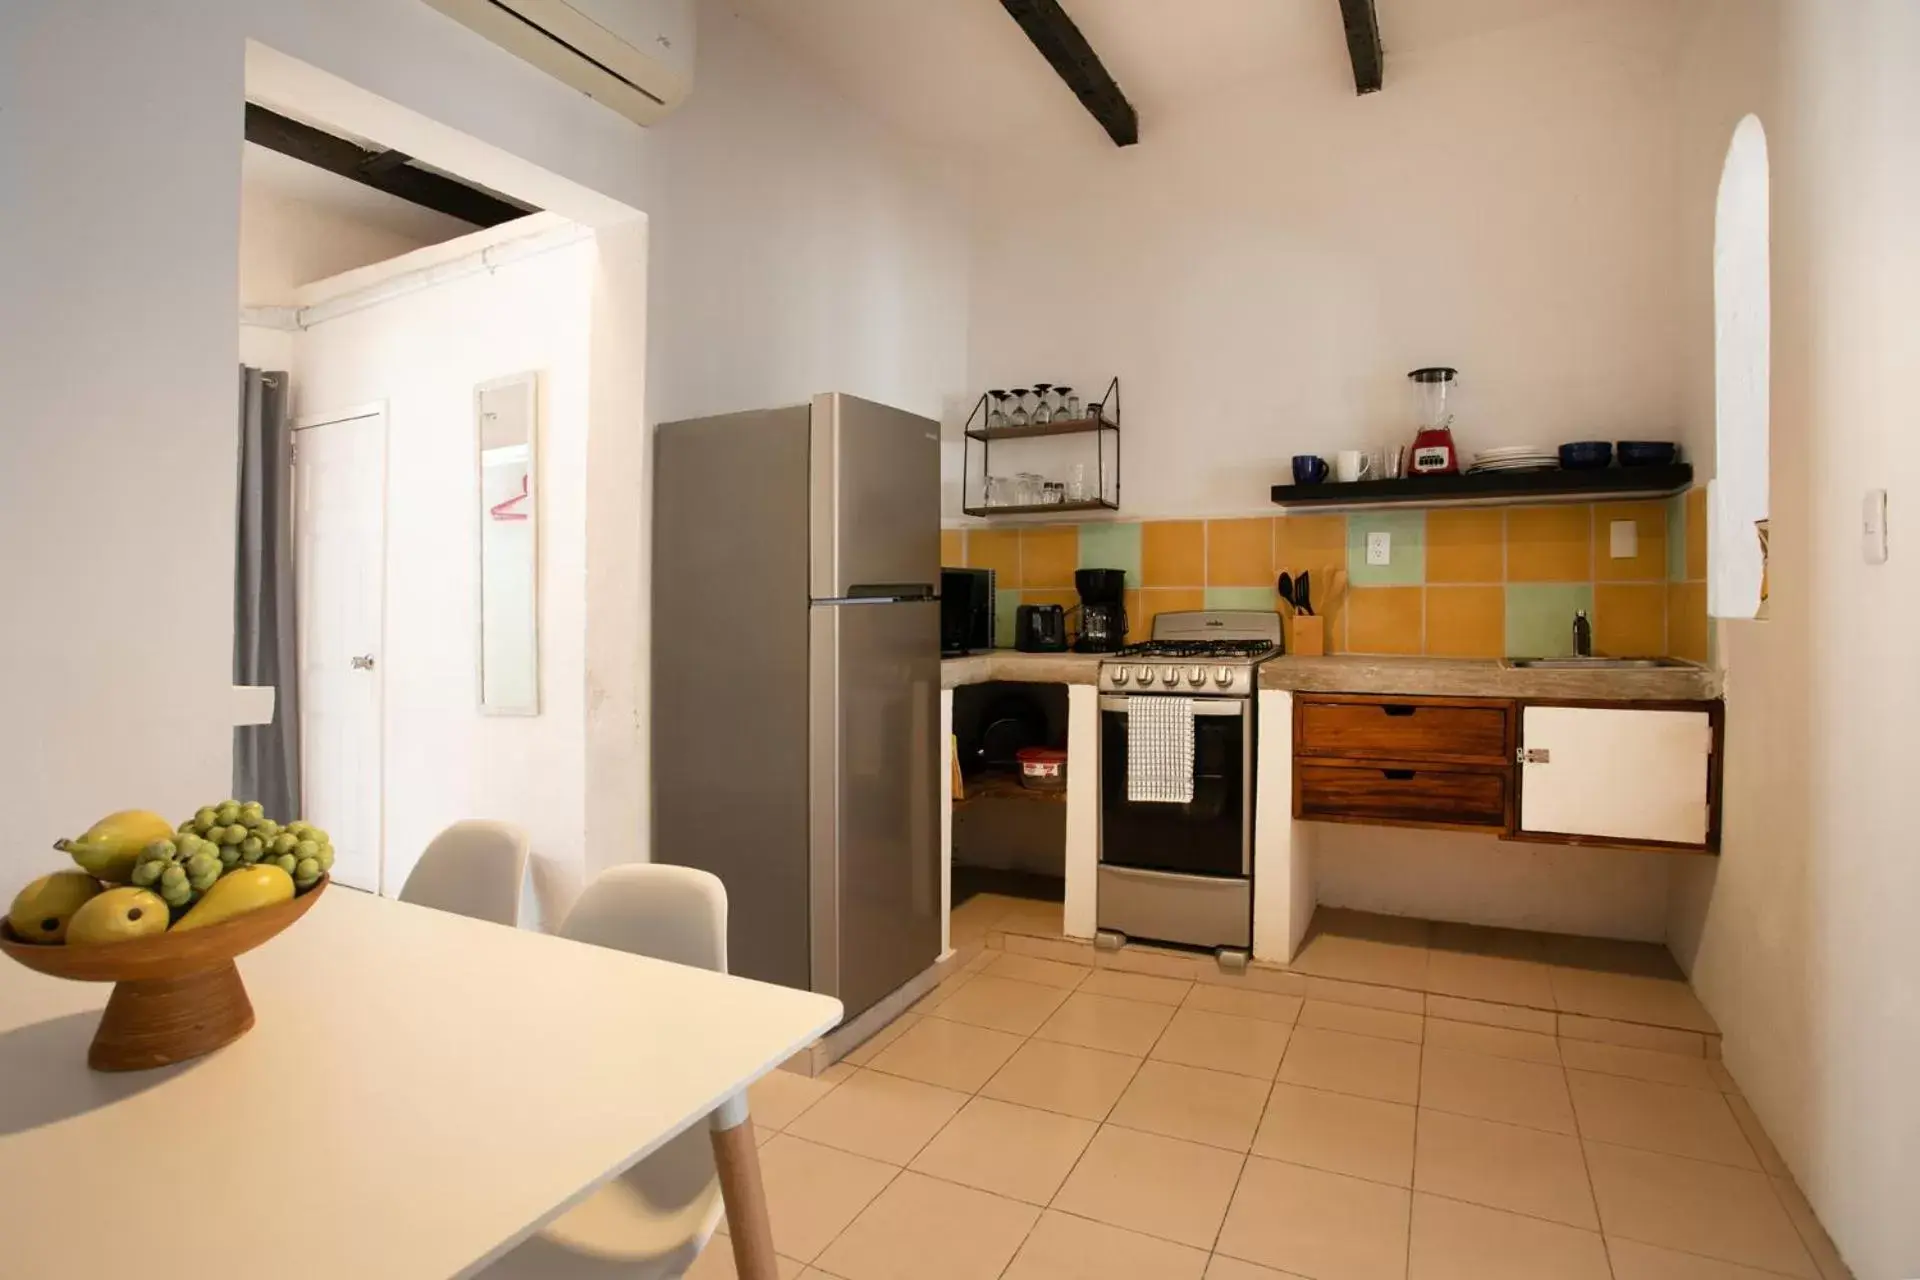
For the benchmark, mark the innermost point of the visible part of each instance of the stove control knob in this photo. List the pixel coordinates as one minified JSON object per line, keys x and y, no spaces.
{"x":1223,"y":676}
{"x":1119,"y":675}
{"x":1196,"y":676}
{"x":1144,"y":675}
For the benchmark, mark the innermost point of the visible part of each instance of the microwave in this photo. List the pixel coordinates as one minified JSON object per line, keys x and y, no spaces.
{"x":966,"y":611}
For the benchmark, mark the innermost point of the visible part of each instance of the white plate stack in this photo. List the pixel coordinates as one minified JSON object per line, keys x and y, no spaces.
{"x":1516,"y":457}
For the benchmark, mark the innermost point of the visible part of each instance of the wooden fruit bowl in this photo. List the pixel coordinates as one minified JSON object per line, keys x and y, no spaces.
{"x":175,"y":995}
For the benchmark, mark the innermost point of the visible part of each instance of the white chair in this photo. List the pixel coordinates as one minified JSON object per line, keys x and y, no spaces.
{"x":474,"y":868}
{"x":652,"y":1221}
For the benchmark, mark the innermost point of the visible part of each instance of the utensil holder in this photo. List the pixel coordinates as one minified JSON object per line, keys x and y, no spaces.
{"x":1307,"y":636}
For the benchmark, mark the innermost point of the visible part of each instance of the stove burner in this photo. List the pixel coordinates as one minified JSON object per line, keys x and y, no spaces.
{"x":1247,"y":650}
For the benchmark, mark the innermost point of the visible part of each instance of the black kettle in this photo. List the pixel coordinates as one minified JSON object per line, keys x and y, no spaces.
{"x":1040,"y":628}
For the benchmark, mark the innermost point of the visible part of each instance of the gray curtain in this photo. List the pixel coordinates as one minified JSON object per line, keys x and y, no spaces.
{"x":266,"y":757}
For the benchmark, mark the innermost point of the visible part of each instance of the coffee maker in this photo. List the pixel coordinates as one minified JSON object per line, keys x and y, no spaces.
{"x":1103,"y":613}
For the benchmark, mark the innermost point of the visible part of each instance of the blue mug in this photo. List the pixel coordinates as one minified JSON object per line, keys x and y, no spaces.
{"x":1309,"y":469}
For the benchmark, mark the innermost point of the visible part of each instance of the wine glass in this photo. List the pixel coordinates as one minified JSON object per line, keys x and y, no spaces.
{"x":997,"y":418}
{"x":1069,"y":404}
{"x":1018,"y":417}
{"x":1042,"y":411}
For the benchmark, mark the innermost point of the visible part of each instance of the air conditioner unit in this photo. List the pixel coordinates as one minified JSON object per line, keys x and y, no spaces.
{"x":635,"y":56}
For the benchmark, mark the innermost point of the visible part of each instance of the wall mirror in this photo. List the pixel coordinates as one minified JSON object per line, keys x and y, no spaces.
{"x":507,"y":413}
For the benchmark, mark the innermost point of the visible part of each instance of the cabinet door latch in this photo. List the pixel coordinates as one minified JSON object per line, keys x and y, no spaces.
{"x":1533,"y":755}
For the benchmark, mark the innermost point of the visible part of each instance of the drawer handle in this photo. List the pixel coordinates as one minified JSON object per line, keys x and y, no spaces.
{"x":1398,"y":775}
{"x":1393,"y":709}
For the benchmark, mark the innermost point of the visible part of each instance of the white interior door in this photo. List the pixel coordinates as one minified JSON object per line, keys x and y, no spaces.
{"x":340,"y":483}
{"x":1616,"y":773}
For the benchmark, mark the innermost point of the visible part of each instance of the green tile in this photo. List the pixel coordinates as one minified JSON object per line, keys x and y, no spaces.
{"x":1004,"y":603}
{"x":1259,"y":598}
{"x":1540,"y":618}
{"x":1409,"y":532}
{"x":1112,"y":544}
{"x":1677,"y":537}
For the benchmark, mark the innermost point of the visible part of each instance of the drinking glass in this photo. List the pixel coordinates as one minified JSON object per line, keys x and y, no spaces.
{"x":997,"y":417}
{"x":1018,"y":417}
{"x":1042,"y":411}
{"x":1032,"y":489}
{"x":1077,"y":482}
{"x":1069,"y":404}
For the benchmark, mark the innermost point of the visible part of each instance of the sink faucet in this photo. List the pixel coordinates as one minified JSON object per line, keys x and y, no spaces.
{"x":1582,"y":635}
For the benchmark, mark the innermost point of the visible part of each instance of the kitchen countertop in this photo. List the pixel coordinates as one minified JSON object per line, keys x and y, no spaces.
{"x":1011,"y":664}
{"x":1486,"y":678}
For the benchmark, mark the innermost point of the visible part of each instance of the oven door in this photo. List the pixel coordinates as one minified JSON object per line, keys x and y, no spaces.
{"x":1209,"y":836}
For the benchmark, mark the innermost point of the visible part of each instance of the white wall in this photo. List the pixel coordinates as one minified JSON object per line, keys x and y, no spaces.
{"x":287,"y":242}
{"x":1806,"y":951}
{"x":117,"y":341}
{"x":1265,"y":266}
{"x":424,"y":354}
{"x":126,"y":327}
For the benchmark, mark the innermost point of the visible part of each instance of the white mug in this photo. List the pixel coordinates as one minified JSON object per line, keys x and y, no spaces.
{"x":1350,"y":465}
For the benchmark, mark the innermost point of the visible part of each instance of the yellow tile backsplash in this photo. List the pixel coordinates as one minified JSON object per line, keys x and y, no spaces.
{"x":1550,"y":544}
{"x":1493,"y":576}
{"x":1048,"y":555}
{"x":1173,"y":553}
{"x":1240,"y":553}
{"x":1466,"y":622}
{"x":1649,"y":564}
{"x":1630,"y":619}
{"x":1468,"y":545}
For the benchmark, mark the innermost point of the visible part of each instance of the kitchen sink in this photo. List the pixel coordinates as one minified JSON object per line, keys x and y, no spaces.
{"x":1595,"y":664}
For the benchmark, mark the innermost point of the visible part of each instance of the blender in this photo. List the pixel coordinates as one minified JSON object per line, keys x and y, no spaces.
{"x":1433,"y":452}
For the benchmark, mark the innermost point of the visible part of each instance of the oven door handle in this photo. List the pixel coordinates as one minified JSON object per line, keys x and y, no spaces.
{"x":1201,"y":706}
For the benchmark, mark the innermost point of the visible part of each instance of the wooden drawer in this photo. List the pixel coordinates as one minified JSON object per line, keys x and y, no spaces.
{"x":1402,"y":793}
{"x":1460,"y":732}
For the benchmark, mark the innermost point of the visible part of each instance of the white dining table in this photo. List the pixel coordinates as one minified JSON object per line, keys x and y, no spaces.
{"x":420,"y":1093}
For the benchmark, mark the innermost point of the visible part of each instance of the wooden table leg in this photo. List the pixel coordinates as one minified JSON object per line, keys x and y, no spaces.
{"x":736,"y":1158}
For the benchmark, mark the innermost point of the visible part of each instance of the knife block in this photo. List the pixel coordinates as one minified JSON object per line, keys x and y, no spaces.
{"x":1306,"y":636}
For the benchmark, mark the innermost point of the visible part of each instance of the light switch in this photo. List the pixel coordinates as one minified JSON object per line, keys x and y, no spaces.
{"x":1623,"y":539}
{"x":1873,"y":526}
{"x":1379,"y":547}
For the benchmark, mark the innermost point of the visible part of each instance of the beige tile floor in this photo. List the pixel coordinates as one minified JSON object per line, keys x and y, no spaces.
{"x":1033,"y":1118}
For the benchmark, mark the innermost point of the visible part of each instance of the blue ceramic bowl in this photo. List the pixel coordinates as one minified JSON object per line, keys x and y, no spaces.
{"x":1646,"y":453}
{"x":1586,"y":455}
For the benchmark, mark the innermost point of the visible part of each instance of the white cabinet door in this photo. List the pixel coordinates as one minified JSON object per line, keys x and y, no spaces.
{"x":1616,"y":774}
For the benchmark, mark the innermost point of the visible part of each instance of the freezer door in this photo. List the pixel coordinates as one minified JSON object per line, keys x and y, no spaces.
{"x":874,"y":774}
{"x":876,"y":498}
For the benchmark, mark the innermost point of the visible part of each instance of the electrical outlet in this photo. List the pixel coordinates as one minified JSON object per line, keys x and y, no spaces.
{"x":1379,"y":548}
{"x":1623,"y":539}
{"x":1873,"y":526}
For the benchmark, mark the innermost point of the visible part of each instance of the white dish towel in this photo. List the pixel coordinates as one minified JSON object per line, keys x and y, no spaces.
{"x":1160,"y":750}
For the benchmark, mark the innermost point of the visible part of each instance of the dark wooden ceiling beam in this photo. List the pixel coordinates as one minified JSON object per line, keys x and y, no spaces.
{"x":1060,"y":43}
{"x":1363,"y":45}
{"x":386,"y":171}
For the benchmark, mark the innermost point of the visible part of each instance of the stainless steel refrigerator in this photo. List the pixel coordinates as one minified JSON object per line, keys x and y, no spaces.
{"x":796,"y":686}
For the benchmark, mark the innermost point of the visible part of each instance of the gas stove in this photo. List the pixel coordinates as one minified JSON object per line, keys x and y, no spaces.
{"x":1212,"y":653}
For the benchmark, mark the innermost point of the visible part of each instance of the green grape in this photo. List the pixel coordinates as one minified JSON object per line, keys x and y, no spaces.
{"x":205,"y":817}
{"x":286,"y":862}
{"x":145,"y":873}
{"x":175,"y":874}
{"x":202,"y":870}
{"x":326,"y":857}
{"x":186,"y":828}
{"x":268,"y":829}
{"x":229,"y":855}
{"x":228,"y":814}
{"x":233,"y":834}
{"x":176,"y":895}
{"x":159,"y":849}
{"x":253,"y":808}
{"x":306,"y":849}
{"x":189,"y":845}
{"x":285,"y":842}
{"x":252,"y":847}
{"x":305,"y":872}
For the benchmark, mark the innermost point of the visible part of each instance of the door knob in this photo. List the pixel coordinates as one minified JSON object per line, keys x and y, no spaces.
{"x":362,"y":663}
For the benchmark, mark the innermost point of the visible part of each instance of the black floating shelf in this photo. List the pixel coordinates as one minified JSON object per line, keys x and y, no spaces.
{"x":1067,"y":427}
{"x":1490,"y":489}
{"x":1044,"y":508}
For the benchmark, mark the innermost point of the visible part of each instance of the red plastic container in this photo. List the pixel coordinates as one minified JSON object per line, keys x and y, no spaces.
{"x":1042,"y":768}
